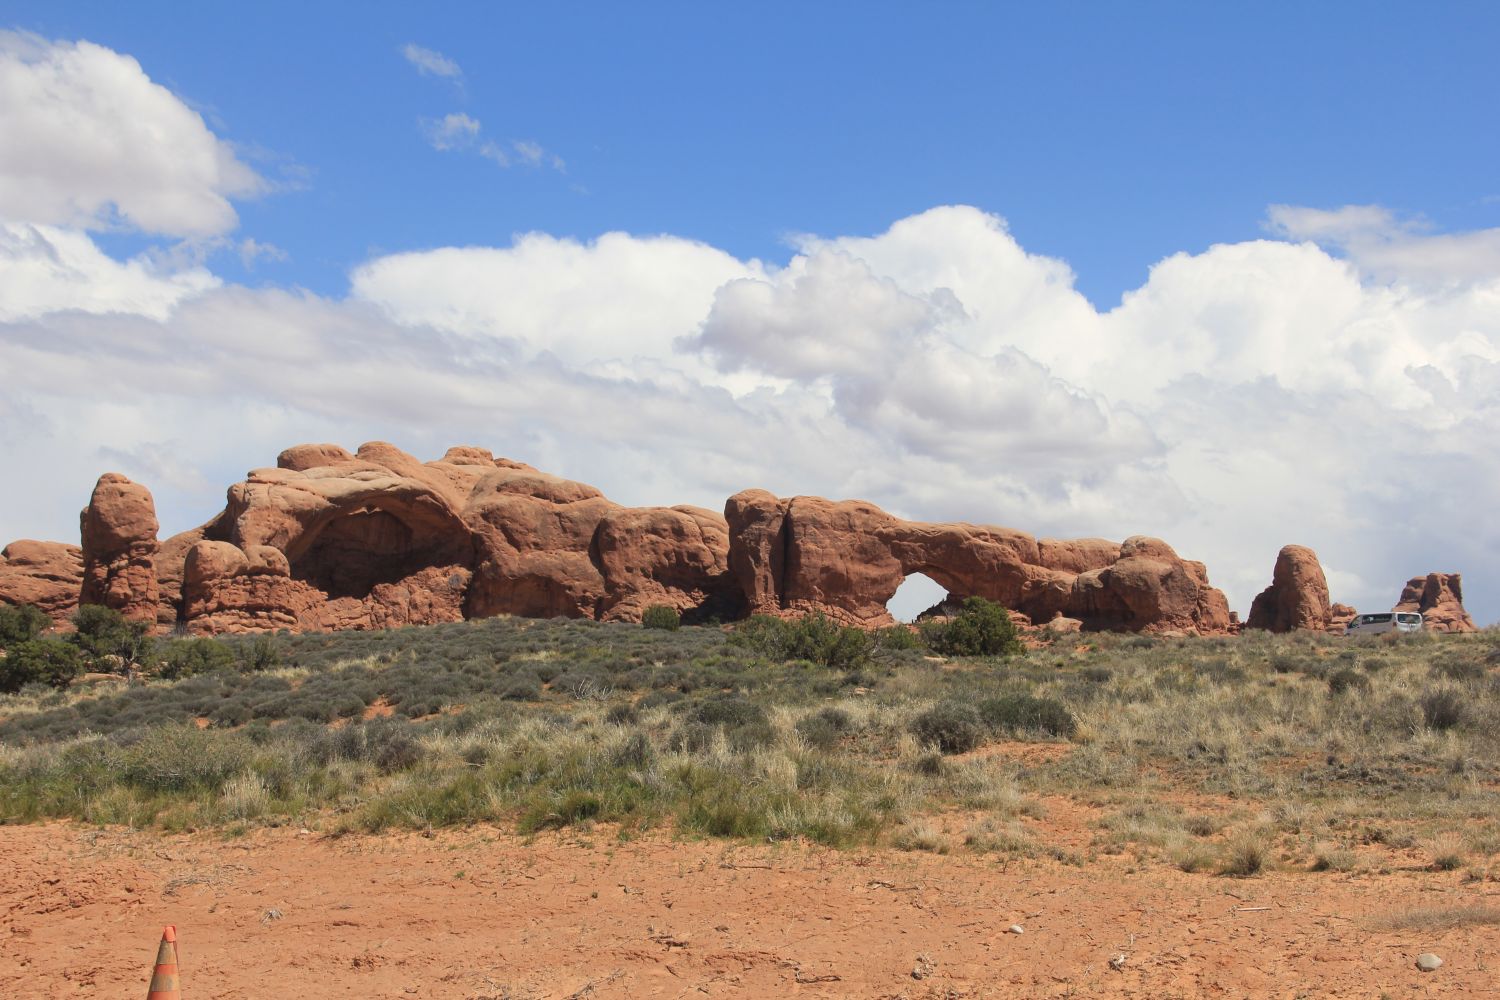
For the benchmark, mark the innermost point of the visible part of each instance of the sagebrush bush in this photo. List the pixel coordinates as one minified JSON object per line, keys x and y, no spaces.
{"x":1442,"y":709}
{"x":1346,"y":679}
{"x":661,"y":616}
{"x":1018,"y":713}
{"x":182,"y":658}
{"x":952,"y":727}
{"x":813,"y":638}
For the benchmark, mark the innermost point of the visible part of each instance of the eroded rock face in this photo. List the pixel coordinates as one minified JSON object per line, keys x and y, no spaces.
{"x":846,"y":559}
{"x":1297,"y":597}
{"x":329,"y":539}
{"x":46,"y":574}
{"x":1440,"y":599}
{"x":118,"y":529}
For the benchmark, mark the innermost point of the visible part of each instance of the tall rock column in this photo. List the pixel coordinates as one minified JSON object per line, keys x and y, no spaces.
{"x":119,"y":548}
{"x":1297,"y":597}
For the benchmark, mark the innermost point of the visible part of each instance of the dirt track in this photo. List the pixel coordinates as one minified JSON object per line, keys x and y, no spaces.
{"x":477,"y":914}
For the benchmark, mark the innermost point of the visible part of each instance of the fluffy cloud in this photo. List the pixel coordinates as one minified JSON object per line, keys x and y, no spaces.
{"x":44,"y":269}
{"x":92,"y":142}
{"x":1244,"y":397}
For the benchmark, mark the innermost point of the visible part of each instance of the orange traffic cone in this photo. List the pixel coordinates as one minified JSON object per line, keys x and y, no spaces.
{"x":164,"y":984}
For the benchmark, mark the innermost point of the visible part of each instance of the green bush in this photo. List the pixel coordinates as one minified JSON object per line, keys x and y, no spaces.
{"x":53,"y":662}
{"x":982,"y":628}
{"x":181,"y":658}
{"x":952,"y":727}
{"x":813,"y":638}
{"x":21,"y":623}
{"x":1024,"y":713}
{"x":104,"y":633}
{"x":662,"y":617}
{"x":260,"y":653}
{"x":897,"y":637}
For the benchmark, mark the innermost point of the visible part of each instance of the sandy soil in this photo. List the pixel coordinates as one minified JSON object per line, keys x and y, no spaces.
{"x":479,"y":914}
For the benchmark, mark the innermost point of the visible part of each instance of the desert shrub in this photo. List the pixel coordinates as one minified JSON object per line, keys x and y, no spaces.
{"x":952,"y":727}
{"x":823,"y":729}
{"x":1460,"y":669}
{"x":181,"y":658}
{"x":522,"y":688}
{"x":897,"y":637}
{"x":1023,"y":713}
{"x":1244,"y":854}
{"x":185,"y":758}
{"x":744,"y":723}
{"x":103,"y":633}
{"x":21,"y":623}
{"x":50,"y":661}
{"x":635,"y":751}
{"x":1346,"y":679}
{"x":582,"y":683}
{"x":981,"y":628}
{"x":621,"y":715}
{"x":1442,"y":709}
{"x":389,"y":744}
{"x":661,"y":616}
{"x":259,"y":654}
{"x":812,"y":637}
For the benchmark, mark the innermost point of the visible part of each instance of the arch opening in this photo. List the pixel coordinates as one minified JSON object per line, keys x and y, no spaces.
{"x":917,"y":593}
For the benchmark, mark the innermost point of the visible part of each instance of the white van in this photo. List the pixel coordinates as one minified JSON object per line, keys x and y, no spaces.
{"x":1386,"y":621}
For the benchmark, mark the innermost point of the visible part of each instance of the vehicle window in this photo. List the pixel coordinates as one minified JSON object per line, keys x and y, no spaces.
{"x":1379,"y":618}
{"x":1409,"y":619}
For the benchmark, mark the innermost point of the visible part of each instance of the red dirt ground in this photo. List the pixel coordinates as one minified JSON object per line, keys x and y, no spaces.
{"x":478,"y":914}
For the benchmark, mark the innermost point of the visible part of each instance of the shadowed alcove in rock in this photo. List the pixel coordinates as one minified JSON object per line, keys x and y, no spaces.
{"x":358,"y":550}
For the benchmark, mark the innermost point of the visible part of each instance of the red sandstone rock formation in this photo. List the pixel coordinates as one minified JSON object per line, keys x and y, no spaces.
{"x":328,"y":540}
{"x":1297,"y":597}
{"x":1339,"y":617}
{"x":1440,"y":599}
{"x":46,"y":574}
{"x":846,"y":560}
{"x":118,"y":528}
{"x":333,"y":540}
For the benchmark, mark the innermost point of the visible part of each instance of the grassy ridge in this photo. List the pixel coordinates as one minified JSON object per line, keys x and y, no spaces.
{"x":1308,"y":748}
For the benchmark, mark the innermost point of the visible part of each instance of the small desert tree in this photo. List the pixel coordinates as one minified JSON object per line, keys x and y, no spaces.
{"x":104,"y":635}
{"x":21,"y":623}
{"x":981,"y":628}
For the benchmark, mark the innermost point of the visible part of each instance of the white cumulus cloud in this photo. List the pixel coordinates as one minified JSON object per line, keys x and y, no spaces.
{"x":1248,"y":396}
{"x":89,"y":141}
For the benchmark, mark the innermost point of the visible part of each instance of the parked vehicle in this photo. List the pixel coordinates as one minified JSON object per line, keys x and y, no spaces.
{"x":1385,"y":621}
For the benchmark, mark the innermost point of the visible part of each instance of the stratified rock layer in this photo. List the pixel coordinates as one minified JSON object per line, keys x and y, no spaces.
{"x":1297,"y":597}
{"x":1440,"y":599}
{"x":846,"y":559}
{"x":118,"y":529}
{"x":46,"y":574}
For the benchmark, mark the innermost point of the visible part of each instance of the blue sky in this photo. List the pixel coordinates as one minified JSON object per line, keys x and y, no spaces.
{"x":1207,"y":259}
{"x":1109,"y":135}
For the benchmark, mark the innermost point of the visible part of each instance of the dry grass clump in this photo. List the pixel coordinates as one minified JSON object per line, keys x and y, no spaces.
{"x":1440,"y":918}
{"x":1447,"y":851}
